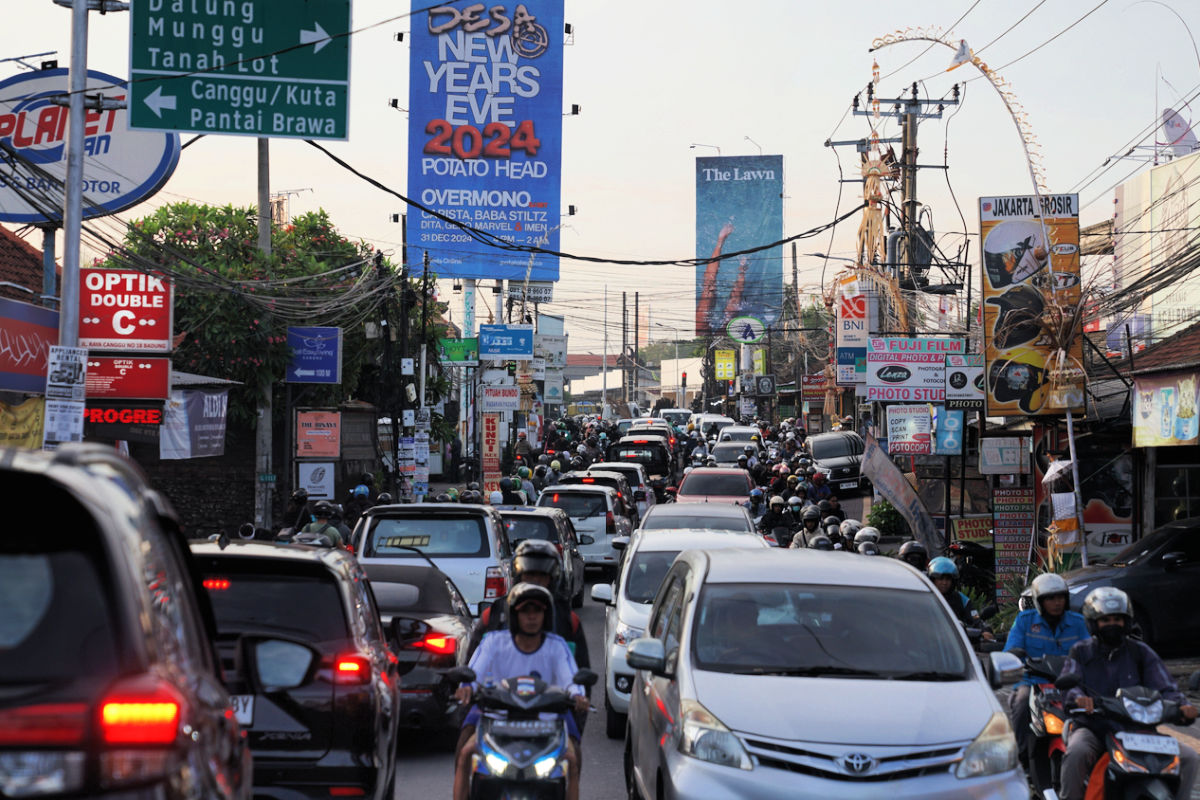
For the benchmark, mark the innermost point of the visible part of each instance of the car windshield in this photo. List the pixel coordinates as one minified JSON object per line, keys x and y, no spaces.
{"x":833,"y":447}
{"x":737,"y":436}
{"x":1142,"y":548}
{"x":714,"y":427}
{"x":645,"y":573}
{"x":728,"y":451}
{"x":840,"y":631}
{"x":653,"y":457}
{"x":522,"y":528}
{"x":677,"y":417}
{"x":663,"y":517}
{"x":723,"y":483}
{"x":629,"y":473}
{"x":578,"y":505}
{"x":454,"y":536}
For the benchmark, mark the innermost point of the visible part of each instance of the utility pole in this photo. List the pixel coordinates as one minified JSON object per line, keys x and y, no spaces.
{"x":624,"y":360}
{"x":263,"y":439}
{"x":637,"y":333}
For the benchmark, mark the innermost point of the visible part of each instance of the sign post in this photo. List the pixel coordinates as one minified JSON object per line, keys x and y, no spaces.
{"x":316,"y":355}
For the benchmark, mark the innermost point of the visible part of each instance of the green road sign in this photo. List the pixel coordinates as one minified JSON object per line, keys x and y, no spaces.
{"x":274,"y":68}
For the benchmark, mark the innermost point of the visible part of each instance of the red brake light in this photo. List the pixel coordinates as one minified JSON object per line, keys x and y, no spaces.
{"x":641,"y":441}
{"x":351,"y":669}
{"x":494,"y":583}
{"x":141,"y":711}
{"x":438,"y":643}
{"x":589,"y":480}
{"x":610,"y":522}
{"x":555,"y":498}
{"x":46,"y":724}
{"x":347,"y":791}
{"x":216,"y":584}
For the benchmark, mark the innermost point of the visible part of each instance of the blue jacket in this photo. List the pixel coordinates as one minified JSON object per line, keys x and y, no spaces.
{"x":1036,"y":637}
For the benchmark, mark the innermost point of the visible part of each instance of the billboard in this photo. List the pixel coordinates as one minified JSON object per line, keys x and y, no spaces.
{"x":739,"y":206}
{"x":1023,"y":247}
{"x":485,"y":136}
{"x":856,"y":316}
{"x":124,"y":309}
{"x":908,"y":370}
{"x":909,"y":429}
{"x":27,"y":332}
{"x":1165,"y":410}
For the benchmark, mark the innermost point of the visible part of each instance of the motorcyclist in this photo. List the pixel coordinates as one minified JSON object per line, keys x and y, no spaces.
{"x":1107,"y":661}
{"x":526,"y":484}
{"x":913,"y":552}
{"x":297,"y":513}
{"x":832,"y":527}
{"x":510,"y":494}
{"x":835,"y":507}
{"x":1047,"y":629}
{"x":943,"y":573}
{"x":743,"y":462}
{"x":554,"y":472}
{"x":867,"y":549}
{"x":809,"y":518}
{"x":324,"y":526}
{"x":523,"y":449}
{"x":527,"y":647}
{"x":818,"y":542}
{"x":820,"y":488}
{"x":751,"y":453}
{"x":849,"y":528}
{"x":776,"y":517}
{"x":755,"y":504}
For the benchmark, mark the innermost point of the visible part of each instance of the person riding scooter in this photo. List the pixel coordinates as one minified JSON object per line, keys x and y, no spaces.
{"x":1101,"y":665}
{"x":914,"y":553}
{"x":776,"y":517}
{"x":943,"y":573}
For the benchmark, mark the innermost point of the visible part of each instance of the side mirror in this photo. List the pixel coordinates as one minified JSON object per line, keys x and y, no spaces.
{"x":1006,"y":669}
{"x":648,"y":654}
{"x":483,"y":604}
{"x":586,"y":539}
{"x":989,"y":611}
{"x":602,"y":593}
{"x":405,"y":629}
{"x":1066,"y":682}
{"x":275,"y":664}
{"x":620,"y":543}
{"x":1173,"y":561}
{"x":585,"y":677}
{"x":639,"y":495}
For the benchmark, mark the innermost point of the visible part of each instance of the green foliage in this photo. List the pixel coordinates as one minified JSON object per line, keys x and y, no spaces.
{"x":884,"y":516}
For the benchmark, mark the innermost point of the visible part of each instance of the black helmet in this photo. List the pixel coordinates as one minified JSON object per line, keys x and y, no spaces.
{"x":383,"y":499}
{"x":537,"y":555}
{"x":825,"y":506}
{"x":506,"y":484}
{"x":868,"y":549}
{"x":742,"y":460}
{"x":524,"y":593}
{"x":473,"y":486}
{"x":543,"y":460}
{"x":300,"y":495}
{"x":367,"y":478}
{"x":820,"y":542}
{"x":810,"y":513}
{"x":323,"y":509}
{"x":914,"y":553}
{"x":831,"y":521}
{"x":442,"y":498}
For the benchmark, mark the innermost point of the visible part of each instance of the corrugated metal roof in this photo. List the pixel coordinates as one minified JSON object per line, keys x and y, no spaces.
{"x":183,"y":380}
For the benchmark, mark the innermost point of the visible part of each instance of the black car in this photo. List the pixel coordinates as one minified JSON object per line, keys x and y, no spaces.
{"x":428,"y":625}
{"x":838,"y":454}
{"x":653,"y":453}
{"x":1161,"y":574}
{"x":110,"y":686}
{"x":553,"y":525}
{"x":314,"y":681}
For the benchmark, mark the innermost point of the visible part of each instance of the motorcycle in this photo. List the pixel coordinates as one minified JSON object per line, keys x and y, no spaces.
{"x":1047,"y":717}
{"x":1137,"y":762}
{"x":518,"y":755}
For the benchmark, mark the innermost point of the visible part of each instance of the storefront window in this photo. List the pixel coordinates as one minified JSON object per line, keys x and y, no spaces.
{"x":1177,"y":493}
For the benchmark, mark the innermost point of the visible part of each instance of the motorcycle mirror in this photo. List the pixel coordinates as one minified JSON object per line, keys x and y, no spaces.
{"x":585,"y":677}
{"x":989,"y":612}
{"x":1066,"y":682}
{"x":461,"y":675}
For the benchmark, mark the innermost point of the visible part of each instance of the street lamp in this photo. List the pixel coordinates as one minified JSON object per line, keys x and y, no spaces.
{"x":694,"y":145}
{"x":756,"y":144}
{"x":679,"y":403}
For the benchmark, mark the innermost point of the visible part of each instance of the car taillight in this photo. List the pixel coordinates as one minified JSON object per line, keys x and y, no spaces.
{"x":140,"y":711}
{"x":588,"y":480}
{"x":45,"y":724}
{"x":216,"y":584}
{"x":610,"y":522}
{"x":438,"y":643}
{"x":351,"y":670}
{"x":495,"y":584}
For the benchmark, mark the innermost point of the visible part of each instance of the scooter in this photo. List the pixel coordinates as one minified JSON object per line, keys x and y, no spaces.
{"x":1137,"y":762}
{"x":518,"y":755}
{"x":1046,"y":720}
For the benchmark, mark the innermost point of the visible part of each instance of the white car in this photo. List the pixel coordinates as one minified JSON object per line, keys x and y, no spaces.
{"x":595,"y":511}
{"x":647,"y":560}
{"x":635,"y":474}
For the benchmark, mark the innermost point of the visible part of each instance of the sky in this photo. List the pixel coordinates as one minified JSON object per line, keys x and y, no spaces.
{"x":662,"y":83}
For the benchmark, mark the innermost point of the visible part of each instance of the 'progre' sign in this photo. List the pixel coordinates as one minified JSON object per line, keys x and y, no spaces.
{"x":124,"y":310}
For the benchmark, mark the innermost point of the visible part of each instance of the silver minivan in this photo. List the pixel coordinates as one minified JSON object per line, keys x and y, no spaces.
{"x":595,"y":511}
{"x":801,"y":673}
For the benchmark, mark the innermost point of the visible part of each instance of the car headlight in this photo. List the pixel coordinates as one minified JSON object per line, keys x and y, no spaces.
{"x":705,"y":737}
{"x":1147,"y":715}
{"x":624,"y":634}
{"x":993,"y":751}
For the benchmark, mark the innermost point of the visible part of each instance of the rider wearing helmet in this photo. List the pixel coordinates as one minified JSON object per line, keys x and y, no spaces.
{"x":1104,"y":663}
{"x":820,"y":488}
{"x":818,"y":542}
{"x":527,"y":484}
{"x":867,"y":549}
{"x":1047,"y":629}
{"x":943,"y":573}
{"x":297,"y":514}
{"x":528,"y":646}
{"x":835,"y":507}
{"x":831,"y":525}
{"x":510,"y":491}
{"x":913,"y":552}
{"x":743,"y":462}
{"x":867,"y":534}
{"x":776,"y":517}
{"x":324,"y":511}
{"x":849,"y":528}
{"x":755,"y":504}
{"x":751,"y":453}
{"x":554,"y":473}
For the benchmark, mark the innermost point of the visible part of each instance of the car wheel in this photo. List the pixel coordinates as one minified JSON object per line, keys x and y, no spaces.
{"x":631,"y":789}
{"x":614,"y":721}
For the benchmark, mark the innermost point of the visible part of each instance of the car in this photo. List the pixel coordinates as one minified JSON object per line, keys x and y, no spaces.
{"x":635,"y":474}
{"x":553,"y":525}
{"x":596,"y":512}
{"x":314,"y":681}
{"x":726,"y":453}
{"x":709,"y":516}
{"x":653,"y":453}
{"x":839,"y":455}
{"x":467,"y":541}
{"x":613,"y":480}
{"x":657,"y":428}
{"x":801,"y":673}
{"x":428,"y":624}
{"x":676,"y":416}
{"x":715,"y":485}
{"x":623,"y":426}
{"x":739,"y":433}
{"x":1161,"y":574}
{"x":710,"y":425}
{"x":628,"y":599}
{"x":112,"y":688}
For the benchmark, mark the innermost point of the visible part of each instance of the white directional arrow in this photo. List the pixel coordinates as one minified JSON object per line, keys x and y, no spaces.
{"x":319,"y":36}
{"x":158,"y":102}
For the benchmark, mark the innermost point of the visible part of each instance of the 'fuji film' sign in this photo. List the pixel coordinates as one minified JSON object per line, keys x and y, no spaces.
{"x":122,"y":309}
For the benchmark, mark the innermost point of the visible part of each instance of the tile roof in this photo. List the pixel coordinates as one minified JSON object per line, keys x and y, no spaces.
{"x":590,"y":359}
{"x":1176,"y":352}
{"x":20,"y":263}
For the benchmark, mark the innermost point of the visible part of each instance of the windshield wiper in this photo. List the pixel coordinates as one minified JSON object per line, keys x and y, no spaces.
{"x":810,"y":672}
{"x":928,"y":675}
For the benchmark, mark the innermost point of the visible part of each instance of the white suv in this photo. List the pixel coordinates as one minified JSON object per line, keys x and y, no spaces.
{"x":595,"y":511}
{"x":647,"y":560}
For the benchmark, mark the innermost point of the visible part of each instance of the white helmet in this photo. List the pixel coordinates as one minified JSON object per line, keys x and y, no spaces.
{"x":495,"y":498}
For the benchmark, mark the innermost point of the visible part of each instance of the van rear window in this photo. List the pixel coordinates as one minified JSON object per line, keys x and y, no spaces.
{"x":461,"y":537}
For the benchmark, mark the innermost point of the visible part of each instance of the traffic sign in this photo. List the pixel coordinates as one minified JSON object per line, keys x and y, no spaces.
{"x":316,"y":355}
{"x":271,"y":68}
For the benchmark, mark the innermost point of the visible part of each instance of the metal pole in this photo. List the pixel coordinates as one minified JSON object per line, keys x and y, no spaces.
{"x":68,"y":317}
{"x":49,"y":273}
{"x":1083,"y":552}
{"x":262,"y":439}
{"x":604,"y":362}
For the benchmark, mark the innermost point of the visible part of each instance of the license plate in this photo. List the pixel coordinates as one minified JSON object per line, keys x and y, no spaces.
{"x":848,"y":485}
{"x":1146,"y":743}
{"x":243,"y":708}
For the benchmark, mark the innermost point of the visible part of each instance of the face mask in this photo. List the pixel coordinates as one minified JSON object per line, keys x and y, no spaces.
{"x":1111,"y":635}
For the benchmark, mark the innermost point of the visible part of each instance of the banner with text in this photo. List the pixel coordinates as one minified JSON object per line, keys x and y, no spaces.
{"x":964,"y":382}
{"x":855,"y":319}
{"x":909,"y":429}
{"x":906,"y":370}
{"x":485,"y":116}
{"x":501,"y":398}
{"x":1013,"y":515}
{"x":891,"y":484}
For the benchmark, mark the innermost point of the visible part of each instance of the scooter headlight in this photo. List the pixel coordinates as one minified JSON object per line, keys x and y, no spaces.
{"x":1052,"y":724}
{"x":544,"y":766}
{"x":1150,"y":714}
{"x":496,"y":763}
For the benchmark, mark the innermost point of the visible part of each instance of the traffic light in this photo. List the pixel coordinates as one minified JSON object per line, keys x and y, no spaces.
{"x":684,"y":379}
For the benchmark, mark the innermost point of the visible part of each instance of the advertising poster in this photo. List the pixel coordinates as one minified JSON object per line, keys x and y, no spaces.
{"x":501,"y":398}
{"x":193,"y":425}
{"x":725,"y":364}
{"x":491,"y":452}
{"x":552,"y":348}
{"x":27,"y":332}
{"x":1013,"y":518}
{"x":855,"y":317}
{"x":739,"y":206}
{"x":317,"y":477}
{"x":973,"y":529}
{"x":485,"y":112}
{"x":1164,"y":410}
{"x":123,"y":309}
{"x":949,"y":431}
{"x":909,"y":429}
{"x":964,"y":382}
{"x":891,"y":484}
{"x":813,"y":387}
{"x":459,"y":352}
{"x":318,"y":434}
{"x":907,"y":370}
{"x":1022,"y":248}
{"x":1003,"y":455}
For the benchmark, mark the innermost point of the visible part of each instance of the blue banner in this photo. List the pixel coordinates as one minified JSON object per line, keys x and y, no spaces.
{"x":485,"y":136}
{"x":508,"y":342}
{"x":739,"y":206}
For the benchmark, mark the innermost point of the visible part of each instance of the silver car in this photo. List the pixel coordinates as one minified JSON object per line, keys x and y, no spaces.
{"x":647,"y":558}
{"x":710,"y":516}
{"x":799,"y":673}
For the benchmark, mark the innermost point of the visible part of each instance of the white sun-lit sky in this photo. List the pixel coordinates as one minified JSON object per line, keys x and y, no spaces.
{"x":654,"y":77}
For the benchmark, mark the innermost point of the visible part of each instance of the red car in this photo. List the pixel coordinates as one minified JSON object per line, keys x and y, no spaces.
{"x":715,"y":485}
